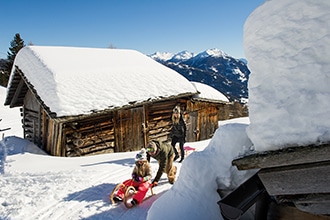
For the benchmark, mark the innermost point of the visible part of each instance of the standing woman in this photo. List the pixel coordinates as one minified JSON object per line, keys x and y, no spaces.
{"x":178,"y":132}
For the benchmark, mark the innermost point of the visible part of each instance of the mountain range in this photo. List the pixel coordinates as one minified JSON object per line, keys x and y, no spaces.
{"x":212,"y":67}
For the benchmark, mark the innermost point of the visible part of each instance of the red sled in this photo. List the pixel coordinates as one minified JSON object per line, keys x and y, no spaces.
{"x":129,"y":193}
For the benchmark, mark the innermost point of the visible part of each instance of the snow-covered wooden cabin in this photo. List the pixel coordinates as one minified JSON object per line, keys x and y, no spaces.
{"x":79,"y":101}
{"x":204,"y":109}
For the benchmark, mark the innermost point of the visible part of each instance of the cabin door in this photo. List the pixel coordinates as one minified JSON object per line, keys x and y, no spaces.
{"x":33,"y":121}
{"x":130,"y":130}
{"x":192,"y":127}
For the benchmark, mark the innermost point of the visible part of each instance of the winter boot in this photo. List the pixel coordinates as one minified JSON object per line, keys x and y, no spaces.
{"x":182,"y":157}
{"x":171,"y":175}
{"x":117,"y":199}
{"x":182,"y":153}
{"x":134,"y":202}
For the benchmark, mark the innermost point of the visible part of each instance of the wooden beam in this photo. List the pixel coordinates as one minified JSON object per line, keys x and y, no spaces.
{"x":289,"y":212}
{"x":284,"y":157}
{"x":317,"y":204}
{"x":17,"y":93}
{"x":298,"y":179}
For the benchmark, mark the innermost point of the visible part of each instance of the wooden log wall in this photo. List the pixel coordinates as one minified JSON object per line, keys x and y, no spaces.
{"x":31,"y":125}
{"x":121,"y":130}
{"x":158,"y":119}
{"x":92,"y":135}
{"x":33,"y":120}
{"x":209,"y":121}
{"x":232,"y":110}
{"x":202,"y":120}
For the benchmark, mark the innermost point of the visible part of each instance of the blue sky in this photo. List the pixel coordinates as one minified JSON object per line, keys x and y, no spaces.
{"x":144,"y":25}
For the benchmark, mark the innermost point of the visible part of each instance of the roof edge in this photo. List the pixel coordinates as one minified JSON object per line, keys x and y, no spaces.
{"x":109,"y":110}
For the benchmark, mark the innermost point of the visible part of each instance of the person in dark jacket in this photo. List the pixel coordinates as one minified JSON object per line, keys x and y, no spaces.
{"x":163,"y":153}
{"x":178,"y":132}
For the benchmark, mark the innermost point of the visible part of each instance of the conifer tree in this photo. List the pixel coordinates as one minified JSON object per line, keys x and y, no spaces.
{"x":15,"y":45}
{"x":3,"y":76}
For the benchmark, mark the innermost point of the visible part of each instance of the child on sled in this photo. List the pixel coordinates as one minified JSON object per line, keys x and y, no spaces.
{"x":140,"y":180}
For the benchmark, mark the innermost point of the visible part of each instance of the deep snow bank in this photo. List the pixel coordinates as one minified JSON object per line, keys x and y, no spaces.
{"x":287,"y":45}
{"x":202,"y":173}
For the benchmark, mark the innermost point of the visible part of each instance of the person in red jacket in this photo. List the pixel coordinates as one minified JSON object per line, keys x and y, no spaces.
{"x":141,"y":179}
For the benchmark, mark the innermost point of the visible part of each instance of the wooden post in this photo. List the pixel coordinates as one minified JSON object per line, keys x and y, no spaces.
{"x":144,"y":125}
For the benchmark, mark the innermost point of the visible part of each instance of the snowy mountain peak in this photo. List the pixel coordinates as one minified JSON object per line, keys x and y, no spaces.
{"x":214,"y":68}
{"x":212,"y":52}
{"x":161,"y":56}
{"x":186,"y":55}
{"x":183,"y":55}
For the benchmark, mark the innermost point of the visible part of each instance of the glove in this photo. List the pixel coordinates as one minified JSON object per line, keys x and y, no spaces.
{"x":154,"y":183}
{"x":137,"y":178}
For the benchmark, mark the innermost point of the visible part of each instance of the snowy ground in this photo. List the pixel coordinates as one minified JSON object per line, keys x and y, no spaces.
{"x":288,"y":104}
{"x":38,"y":186}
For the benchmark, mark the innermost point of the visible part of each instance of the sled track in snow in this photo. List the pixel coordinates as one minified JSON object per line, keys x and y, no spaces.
{"x":77,"y":204}
{"x":84,"y":203}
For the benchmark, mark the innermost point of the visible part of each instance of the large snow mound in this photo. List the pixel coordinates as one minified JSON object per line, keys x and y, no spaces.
{"x":287,"y":45}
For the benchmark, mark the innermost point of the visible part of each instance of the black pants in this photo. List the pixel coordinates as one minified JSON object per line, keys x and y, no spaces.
{"x":176,"y":139}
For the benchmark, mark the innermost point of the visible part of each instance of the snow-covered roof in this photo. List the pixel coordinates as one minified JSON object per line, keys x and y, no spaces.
{"x":73,"y":81}
{"x":207,"y":92}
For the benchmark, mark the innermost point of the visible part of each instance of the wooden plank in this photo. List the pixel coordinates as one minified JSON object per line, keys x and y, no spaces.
{"x":92,"y":141}
{"x":162,"y":105}
{"x":17,"y":93}
{"x":72,"y":150}
{"x":144,"y":125}
{"x":287,"y":212}
{"x":61,"y":140}
{"x":53,"y":144}
{"x":317,"y":204}
{"x":88,"y":126}
{"x":50,"y":135}
{"x":158,"y":117}
{"x":117,"y":130}
{"x":301,"y":179}
{"x":39,"y":131}
{"x":284,"y":157}
{"x":57,"y":143}
{"x":44,"y":129}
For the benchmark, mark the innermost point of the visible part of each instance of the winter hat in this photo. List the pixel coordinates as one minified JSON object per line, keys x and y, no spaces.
{"x":142,"y":155}
{"x":152,"y":147}
{"x":176,"y":109}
